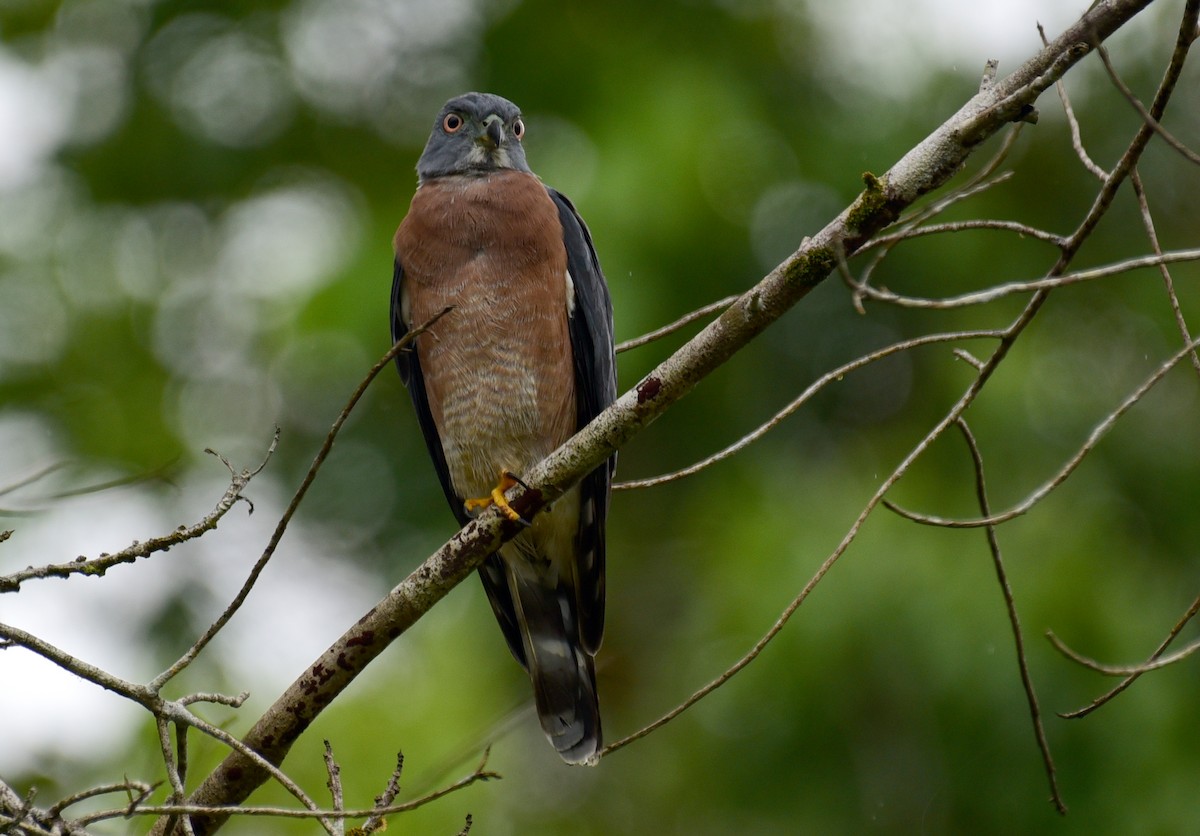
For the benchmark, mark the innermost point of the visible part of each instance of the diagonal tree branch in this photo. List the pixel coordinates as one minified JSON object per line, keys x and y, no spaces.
{"x":927,"y":167}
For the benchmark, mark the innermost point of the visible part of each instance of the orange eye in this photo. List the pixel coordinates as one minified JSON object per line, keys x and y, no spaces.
{"x":452,"y":123}
{"x":518,"y":129}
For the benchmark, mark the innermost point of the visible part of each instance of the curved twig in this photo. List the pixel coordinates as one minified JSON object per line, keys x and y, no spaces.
{"x":1121,"y":670}
{"x":1073,"y":123}
{"x":991,"y":294}
{"x":1094,"y":438}
{"x":812,"y":389}
{"x":1133,"y":674}
{"x":1024,"y":230}
{"x":682,"y":322}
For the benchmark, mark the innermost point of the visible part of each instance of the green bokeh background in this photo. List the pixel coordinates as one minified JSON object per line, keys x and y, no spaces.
{"x":207,"y":255}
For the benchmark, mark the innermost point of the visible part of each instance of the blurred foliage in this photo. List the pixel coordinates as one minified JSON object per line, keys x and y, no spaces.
{"x":195,"y":247}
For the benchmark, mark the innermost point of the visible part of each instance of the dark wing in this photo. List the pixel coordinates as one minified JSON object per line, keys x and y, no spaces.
{"x":410,"y":373}
{"x":591,"y":329}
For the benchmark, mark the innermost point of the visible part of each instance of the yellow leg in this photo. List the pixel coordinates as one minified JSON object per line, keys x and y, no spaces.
{"x":507,"y":480}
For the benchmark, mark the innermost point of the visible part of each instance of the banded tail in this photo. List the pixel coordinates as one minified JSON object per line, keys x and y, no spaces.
{"x":562,"y":672}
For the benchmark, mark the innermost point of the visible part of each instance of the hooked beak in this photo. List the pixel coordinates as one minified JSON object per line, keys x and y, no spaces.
{"x":493,"y":133}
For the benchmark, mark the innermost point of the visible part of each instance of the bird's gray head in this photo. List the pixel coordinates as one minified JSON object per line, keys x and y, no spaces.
{"x":474,"y":133}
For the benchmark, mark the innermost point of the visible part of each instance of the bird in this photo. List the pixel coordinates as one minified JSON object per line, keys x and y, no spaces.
{"x":523,"y":359}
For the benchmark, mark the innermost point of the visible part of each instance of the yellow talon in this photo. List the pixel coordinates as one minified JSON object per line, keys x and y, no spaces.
{"x":497,"y":498}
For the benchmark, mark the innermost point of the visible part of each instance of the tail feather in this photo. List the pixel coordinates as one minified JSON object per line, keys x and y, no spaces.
{"x":562,"y":672}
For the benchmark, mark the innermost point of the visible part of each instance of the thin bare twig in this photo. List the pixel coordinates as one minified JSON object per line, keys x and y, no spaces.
{"x":21,"y":816}
{"x":1152,"y":235}
{"x":335,"y":788}
{"x":1187,"y":153}
{"x":968,"y":358}
{"x":132,"y":691}
{"x":174,"y":775}
{"x":1122,"y":670}
{"x":988,"y":176}
{"x":1024,"y":230}
{"x":36,"y":476}
{"x":1073,"y":123}
{"x":826,"y":565}
{"x":376,"y":820}
{"x":96,"y":487}
{"x":99,"y":565}
{"x":1010,"y":605}
{"x":848,"y":538}
{"x":480,"y":774}
{"x":812,"y":389}
{"x":991,"y":294}
{"x":233,"y":701}
{"x":979,"y":182}
{"x":682,"y":322}
{"x":503,"y":724}
{"x":181,"y":715}
{"x":1133,"y":674}
{"x":149,"y":698}
{"x":252,"y":578}
{"x":1094,"y":437}
{"x":136,"y":791}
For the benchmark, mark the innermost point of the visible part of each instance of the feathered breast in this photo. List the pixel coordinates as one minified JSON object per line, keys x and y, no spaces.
{"x":498,"y":368}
